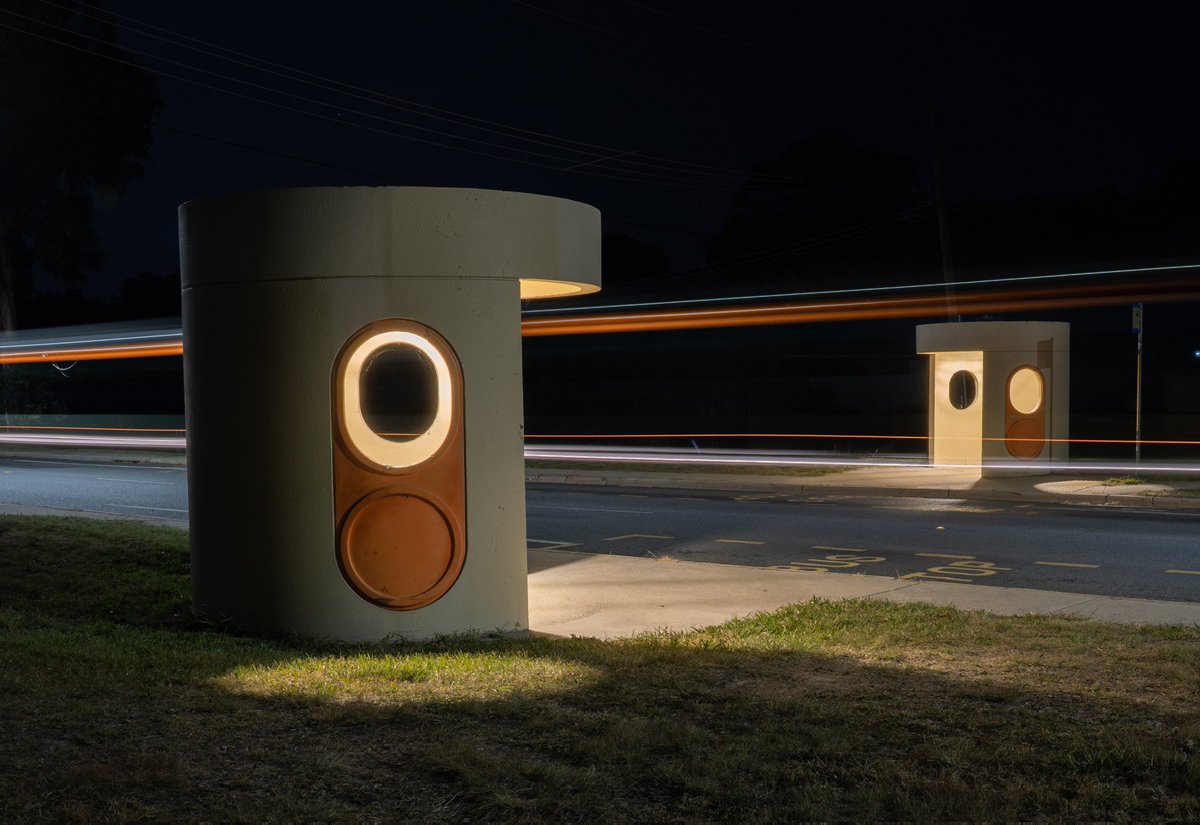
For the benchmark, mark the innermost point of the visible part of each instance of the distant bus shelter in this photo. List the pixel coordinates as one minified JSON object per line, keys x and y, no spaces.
{"x":999,"y":394}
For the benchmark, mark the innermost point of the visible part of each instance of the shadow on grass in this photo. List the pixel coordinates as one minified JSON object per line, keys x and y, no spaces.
{"x":861,"y":710}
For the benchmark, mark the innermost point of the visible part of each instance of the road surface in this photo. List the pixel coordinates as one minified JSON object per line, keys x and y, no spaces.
{"x":1114,"y":551}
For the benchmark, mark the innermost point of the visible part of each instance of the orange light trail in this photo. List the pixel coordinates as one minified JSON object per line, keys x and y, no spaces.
{"x":613,"y":436}
{"x":915,"y":306}
{"x":597,"y":436}
{"x":52,"y":428}
{"x":1067,"y":297}
{"x":97,"y":353}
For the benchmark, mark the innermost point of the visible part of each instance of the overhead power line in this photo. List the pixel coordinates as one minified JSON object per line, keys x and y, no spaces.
{"x":581,"y":157}
{"x":725,"y":35}
{"x":335,"y":118}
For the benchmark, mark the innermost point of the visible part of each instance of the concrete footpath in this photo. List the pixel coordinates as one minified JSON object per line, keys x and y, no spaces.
{"x":579,"y":594}
{"x":605,"y":596}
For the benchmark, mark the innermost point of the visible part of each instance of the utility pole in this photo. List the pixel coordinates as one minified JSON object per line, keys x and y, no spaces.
{"x":943,"y":223}
{"x":1137,"y":409}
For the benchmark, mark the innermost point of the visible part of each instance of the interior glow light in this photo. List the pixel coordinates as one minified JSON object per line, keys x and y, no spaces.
{"x":375,"y":448}
{"x":532,"y":288}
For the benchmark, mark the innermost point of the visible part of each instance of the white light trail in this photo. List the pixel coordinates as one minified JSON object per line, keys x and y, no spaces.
{"x":868,"y":289}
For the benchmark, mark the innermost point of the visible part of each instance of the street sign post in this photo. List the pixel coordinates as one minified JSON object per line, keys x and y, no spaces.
{"x":1137,"y":414}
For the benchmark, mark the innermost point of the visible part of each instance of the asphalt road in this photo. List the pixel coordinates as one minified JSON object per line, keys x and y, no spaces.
{"x":150,"y":493}
{"x":1074,"y":548}
{"x":1068,"y":547}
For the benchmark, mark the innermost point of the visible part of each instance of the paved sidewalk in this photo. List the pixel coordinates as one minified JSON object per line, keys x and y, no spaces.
{"x":581,"y":594}
{"x":604,"y":596}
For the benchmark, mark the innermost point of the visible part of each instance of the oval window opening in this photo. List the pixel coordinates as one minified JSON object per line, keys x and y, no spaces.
{"x":963,"y":388}
{"x":1025,"y":390}
{"x":398,"y":393}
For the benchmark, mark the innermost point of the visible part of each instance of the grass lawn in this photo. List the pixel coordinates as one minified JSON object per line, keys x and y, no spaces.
{"x":117,"y":705}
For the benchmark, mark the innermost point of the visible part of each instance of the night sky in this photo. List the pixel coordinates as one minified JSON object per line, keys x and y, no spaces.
{"x":1033,"y":101}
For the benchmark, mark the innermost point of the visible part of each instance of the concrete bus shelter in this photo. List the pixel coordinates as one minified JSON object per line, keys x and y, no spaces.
{"x":999,"y":394}
{"x":353,"y":383}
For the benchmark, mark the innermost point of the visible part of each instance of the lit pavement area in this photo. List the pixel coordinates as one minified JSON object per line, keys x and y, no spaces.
{"x":575,"y":594}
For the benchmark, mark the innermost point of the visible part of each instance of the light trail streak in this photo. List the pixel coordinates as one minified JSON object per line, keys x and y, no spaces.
{"x":162,"y":343}
{"x":1026,"y":300}
{"x":719,"y":435}
{"x":90,"y":344}
{"x":51,"y":346}
{"x":28,"y":429}
{"x":664,"y":456}
{"x":56,"y":427}
{"x":99,"y":353}
{"x":129,"y":442}
{"x":104,"y":437}
{"x":851,"y":436}
{"x":1098,"y":273}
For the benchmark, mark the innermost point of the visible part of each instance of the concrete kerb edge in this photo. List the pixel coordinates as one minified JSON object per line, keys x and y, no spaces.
{"x":798,"y":487}
{"x":13,"y":509}
{"x":134,"y":459}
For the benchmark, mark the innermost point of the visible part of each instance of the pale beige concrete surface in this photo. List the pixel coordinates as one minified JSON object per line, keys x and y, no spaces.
{"x":583,"y":594}
{"x":579,"y":594}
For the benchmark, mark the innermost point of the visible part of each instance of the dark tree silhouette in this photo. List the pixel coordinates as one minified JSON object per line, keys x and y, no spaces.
{"x":75,"y":118}
{"x":629,"y":264}
{"x":825,"y":211}
{"x":148,"y":296}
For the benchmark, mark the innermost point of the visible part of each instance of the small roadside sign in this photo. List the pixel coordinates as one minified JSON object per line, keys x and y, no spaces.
{"x":1137,"y":317}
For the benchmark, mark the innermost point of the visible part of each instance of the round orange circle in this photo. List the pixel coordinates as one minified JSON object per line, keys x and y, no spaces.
{"x":399,"y":549}
{"x":1025,"y":439}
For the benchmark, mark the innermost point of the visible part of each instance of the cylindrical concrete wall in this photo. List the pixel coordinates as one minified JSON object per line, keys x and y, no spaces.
{"x":274,"y":285}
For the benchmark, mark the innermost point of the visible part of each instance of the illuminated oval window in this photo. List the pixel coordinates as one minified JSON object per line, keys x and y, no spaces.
{"x":398,"y":393}
{"x":963,"y":389}
{"x":1025,"y":390}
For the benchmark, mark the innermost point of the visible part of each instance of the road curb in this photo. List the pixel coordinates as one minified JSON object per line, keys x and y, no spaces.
{"x":800,"y":488}
{"x":148,"y":458}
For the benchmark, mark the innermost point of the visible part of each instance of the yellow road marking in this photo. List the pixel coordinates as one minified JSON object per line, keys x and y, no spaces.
{"x":1186,"y":572}
{"x":1066,"y":564}
{"x":552,"y":545}
{"x":941,"y":556}
{"x":839,"y":549}
{"x":637,"y":536}
{"x":738,"y":541}
{"x":925,"y":575}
